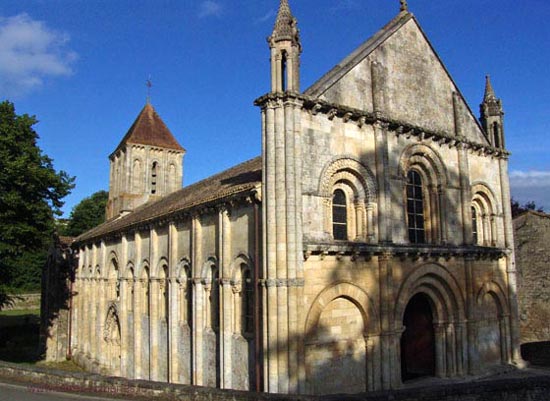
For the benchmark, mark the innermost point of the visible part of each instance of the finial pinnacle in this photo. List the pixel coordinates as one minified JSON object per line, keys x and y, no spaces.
{"x":489,"y":91}
{"x":404,"y":5}
{"x":285,"y":25}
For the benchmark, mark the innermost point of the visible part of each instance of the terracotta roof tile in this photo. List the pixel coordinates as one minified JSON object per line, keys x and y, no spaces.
{"x":241,"y":178}
{"x":149,"y":129}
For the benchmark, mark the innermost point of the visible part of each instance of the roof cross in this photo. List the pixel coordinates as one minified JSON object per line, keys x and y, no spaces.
{"x":404,"y":5}
{"x":149,"y":84}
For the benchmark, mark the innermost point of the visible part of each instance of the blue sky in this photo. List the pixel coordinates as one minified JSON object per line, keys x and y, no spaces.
{"x":80,"y":66}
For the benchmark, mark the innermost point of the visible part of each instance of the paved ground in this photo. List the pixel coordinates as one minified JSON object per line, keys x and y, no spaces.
{"x":18,"y":392}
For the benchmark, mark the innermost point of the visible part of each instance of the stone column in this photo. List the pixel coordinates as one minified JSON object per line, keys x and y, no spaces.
{"x":440,"y":349}
{"x":198,"y":302}
{"x":473,"y":356}
{"x":383,"y":181}
{"x":510,"y":262}
{"x":370,"y":222}
{"x":443,"y":213}
{"x":386,"y":302}
{"x":154,"y":323}
{"x":224,"y":245}
{"x":465,"y":194}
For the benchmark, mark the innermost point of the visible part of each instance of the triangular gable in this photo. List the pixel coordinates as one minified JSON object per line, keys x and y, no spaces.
{"x":149,"y":129}
{"x":417,"y":88}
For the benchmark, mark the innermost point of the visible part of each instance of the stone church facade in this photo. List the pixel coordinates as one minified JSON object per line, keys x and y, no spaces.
{"x":371,"y":242}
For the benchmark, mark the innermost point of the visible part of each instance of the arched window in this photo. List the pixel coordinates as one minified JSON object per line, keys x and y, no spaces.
{"x":415,"y":208}
{"x":146,"y":301}
{"x":154,"y":178}
{"x":215,"y":299}
{"x":163,"y":304}
{"x":284,"y":70}
{"x":137,"y":177}
{"x":485,"y":231}
{"x":247,"y":302}
{"x":339,"y":216}
{"x":475,"y":231}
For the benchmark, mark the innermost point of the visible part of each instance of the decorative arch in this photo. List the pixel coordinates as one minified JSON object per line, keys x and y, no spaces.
{"x":498,"y":294}
{"x":484,"y":214}
{"x":343,"y":350}
{"x":112,"y":337}
{"x":432,"y":177}
{"x":183,"y":267}
{"x":493,"y":326}
{"x":235,"y":268}
{"x":432,"y":279}
{"x":161,"y":263}
{"x":349,"y":169}
{"x":443,"y":293}
{"x":352,"y":293}
{"x":206,"y":271}
{"x":425,"y":159}
{"x":358,"y":183}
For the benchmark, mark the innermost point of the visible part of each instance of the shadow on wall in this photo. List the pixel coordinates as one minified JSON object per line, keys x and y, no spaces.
{"x":57,"y":277}
{"x":465,"y":306}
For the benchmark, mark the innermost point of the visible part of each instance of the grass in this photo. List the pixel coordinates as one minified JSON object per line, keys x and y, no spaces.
{"x":19,"y":335}
{"x":67,"y":366}
{"x":22,"y":312}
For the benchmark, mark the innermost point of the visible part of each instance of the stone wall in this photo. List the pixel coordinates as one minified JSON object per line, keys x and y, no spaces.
{"x":24,"y":302}
{"x":524,"y":388}
{"x":532,"y":239}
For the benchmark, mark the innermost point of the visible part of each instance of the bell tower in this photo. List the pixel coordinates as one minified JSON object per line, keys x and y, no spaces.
{"x":285,"y":52}
{"x":492,"y":116}
{"x":145,"y":166}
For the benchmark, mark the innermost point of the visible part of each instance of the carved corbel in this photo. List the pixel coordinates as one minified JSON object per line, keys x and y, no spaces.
{"x":331,"y":114}
{"x":315,"y":109}
{"x":361,"y":121}
{"x":347,"y":117}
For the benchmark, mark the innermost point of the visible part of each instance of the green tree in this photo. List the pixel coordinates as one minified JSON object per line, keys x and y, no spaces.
{"x":87,"y":214}
{"x":517,"y":209}
{"x":31,"y":193}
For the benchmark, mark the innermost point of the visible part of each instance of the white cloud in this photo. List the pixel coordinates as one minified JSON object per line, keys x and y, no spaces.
{"x":30,"y":52}
{"x":270,"y":15}
{"x":530,"y":186}
{"x":210,"y":8}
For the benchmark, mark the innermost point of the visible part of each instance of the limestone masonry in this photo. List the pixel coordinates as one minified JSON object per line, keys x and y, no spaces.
{"x":371,"y":243}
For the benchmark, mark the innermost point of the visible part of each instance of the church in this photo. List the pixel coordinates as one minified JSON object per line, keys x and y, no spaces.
{"x":368,"y":245}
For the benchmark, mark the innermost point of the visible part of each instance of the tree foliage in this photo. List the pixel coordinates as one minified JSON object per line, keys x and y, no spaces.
{"x":517,"y":209}
{"x":87,"y":214}
{"x":31,"y":193}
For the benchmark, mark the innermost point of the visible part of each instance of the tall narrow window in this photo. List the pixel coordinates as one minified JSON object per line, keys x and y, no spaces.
{"x":247,"y":302}
{"x":283,"y":71}
{"x":154,"y":178}
{"x":496,"y":133}
{"x":215,"y":300}
{"x":339,"y":216}
{"x":415,"y":208}
{"x":475,"y":234}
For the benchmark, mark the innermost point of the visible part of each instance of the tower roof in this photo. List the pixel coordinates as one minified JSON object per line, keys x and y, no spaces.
{"x":149,"y":129}
{"x":285,"y":25}
{"x":489,"y":91}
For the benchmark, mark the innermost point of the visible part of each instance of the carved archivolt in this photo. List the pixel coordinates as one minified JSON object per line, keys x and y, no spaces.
{"x":441,"y":288}
{"x":111,"y":332}
{"x":352,"y":171}
{"x":352,"y":293}
{"x":426,"y":160}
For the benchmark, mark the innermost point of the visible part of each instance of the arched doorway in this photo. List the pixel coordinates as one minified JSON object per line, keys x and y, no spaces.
{"x":418,"y":339}
{"x":336,"y":360}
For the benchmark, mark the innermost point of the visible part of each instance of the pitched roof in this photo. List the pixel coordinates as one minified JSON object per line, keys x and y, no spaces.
{"x":241,"y":178}
{"x":149,"y":129}
{"x":327,"y":80}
